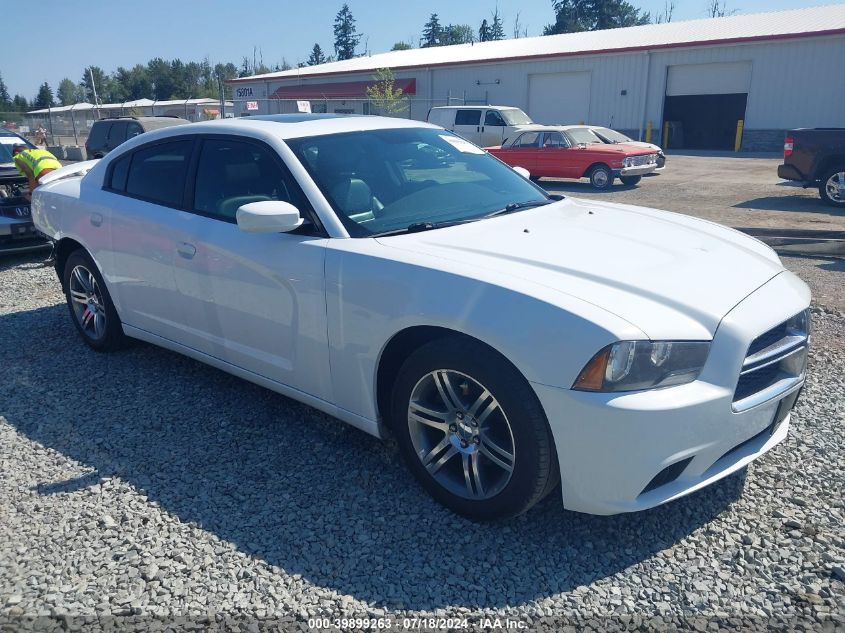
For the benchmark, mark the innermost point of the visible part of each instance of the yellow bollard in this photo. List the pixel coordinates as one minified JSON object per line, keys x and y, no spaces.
{"x":738,"y":141}
{"x":648,"y":130}
{"x":665,"y":140}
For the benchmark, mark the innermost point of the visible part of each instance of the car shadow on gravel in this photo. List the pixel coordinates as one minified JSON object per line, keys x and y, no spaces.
{"x":796,"y":203}
{"x":297,"y":489}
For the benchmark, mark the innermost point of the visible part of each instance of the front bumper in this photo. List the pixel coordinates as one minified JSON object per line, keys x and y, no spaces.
{"x":640,"y":170}
{"x":612,"y":447}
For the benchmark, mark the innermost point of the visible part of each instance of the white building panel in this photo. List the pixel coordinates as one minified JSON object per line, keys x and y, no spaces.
{"x":559,"y":98}
{"x":709,"y":79}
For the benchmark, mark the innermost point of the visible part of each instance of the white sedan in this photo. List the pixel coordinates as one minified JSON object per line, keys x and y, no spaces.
{"x":399,"y":278}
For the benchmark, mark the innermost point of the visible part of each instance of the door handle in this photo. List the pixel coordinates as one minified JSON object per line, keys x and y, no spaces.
{"x":186,"y":250}
{"x":96,"y":219}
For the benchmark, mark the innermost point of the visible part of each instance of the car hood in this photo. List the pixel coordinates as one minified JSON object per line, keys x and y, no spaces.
{"x":670,"y":275}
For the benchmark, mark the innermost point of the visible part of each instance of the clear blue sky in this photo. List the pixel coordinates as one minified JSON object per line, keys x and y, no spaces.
{"x":59,"y":38}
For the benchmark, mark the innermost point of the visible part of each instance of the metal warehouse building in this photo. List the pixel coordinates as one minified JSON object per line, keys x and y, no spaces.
{"x":694,"y":79}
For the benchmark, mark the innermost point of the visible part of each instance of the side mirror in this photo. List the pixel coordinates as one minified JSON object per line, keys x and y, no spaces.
{"x":268,"y":216}
{"x":523,"y":172}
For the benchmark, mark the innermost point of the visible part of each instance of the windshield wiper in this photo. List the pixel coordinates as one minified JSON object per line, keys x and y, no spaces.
{"x":419,"y":227}
{"x":517,"y":206}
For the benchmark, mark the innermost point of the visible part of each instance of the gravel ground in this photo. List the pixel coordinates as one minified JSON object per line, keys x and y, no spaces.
{"x":145,"y":486}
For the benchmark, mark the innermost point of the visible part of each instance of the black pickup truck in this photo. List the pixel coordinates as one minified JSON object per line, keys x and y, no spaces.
{"x":816,"y":157}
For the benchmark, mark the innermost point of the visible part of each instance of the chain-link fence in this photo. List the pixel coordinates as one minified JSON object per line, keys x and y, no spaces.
{"x":409,"y":107}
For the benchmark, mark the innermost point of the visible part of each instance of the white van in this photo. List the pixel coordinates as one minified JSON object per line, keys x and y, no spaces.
{"x":483,"y":125}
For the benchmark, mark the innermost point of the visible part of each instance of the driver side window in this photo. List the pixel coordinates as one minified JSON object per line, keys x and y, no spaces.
{"x":232,"y":173}
{"x":494,"y":119}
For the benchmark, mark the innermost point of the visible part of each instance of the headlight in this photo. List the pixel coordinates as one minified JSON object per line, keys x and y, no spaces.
{"x":633,"y":365}
{"x":629,"y":161}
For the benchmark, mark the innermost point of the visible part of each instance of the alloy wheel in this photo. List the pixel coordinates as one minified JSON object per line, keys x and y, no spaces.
{"x":87,"y":302}
{"x":835,"y":187}
{"x":461,"y":434}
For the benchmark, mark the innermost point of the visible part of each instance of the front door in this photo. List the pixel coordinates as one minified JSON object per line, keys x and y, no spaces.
{"x":492,"y":129}
{"x":556,"y":159}
{"x":262,"y":296}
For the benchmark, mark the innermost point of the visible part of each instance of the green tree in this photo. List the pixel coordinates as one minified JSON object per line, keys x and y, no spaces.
{"x":457,"y":34}
{"x":44,"y":98}
{"x":484,"y":31}
{"x":432,"y":32}
{"x":497,"y":28}
{"x":573,"y":16}
{"x":316,"y":57}
{"x":105,"y":88}
{"x":401,"y":46}
{"x":385,"y":95}
{"x":67,"y":92}
{"x":5,"y":98}
{"x":20,"y":104}
{"x":346,"y":36}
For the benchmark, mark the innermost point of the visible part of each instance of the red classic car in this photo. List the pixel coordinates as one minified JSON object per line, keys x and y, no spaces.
{"x":573,"y":151}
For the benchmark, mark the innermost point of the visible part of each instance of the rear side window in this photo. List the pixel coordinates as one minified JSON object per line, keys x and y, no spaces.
{"x":117,"y":134}
{"x":133,"y":130}
{"x":468,"y":117}
{"x":119,"y":172}
{"x":528,"y":139}
{"x":158,"y":173}
{"x":99,"y":133}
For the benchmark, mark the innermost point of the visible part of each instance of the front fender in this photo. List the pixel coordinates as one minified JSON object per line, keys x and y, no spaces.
{"x":547,"y":335}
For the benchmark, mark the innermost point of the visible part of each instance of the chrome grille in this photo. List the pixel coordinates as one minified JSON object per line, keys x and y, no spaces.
{"x":645,"y":159}
{"x":775,"y":362}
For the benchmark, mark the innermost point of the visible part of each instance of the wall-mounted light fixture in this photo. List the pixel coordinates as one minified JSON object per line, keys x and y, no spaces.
{"x":478,"y":82}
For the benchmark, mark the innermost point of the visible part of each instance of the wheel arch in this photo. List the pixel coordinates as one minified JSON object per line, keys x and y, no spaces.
{"x":64,"y":247}
{"x":829,"y":162}
{"x":593,"y":165}
{"x":404,"y":343}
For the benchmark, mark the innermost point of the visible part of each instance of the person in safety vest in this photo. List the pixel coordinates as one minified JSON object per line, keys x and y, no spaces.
{"x":34,"y":164}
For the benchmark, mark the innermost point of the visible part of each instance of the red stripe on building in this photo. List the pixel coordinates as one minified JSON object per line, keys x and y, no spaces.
{"x":341,"y":89}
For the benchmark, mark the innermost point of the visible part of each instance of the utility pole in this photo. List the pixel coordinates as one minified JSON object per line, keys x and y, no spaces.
{"x":94,"y":89}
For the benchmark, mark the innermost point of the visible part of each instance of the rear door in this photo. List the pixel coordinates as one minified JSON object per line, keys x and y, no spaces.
{"x":117,"y":135}
{"x":468,"y":124}
{"x":144,"y":191}
{"x":523,"y":152}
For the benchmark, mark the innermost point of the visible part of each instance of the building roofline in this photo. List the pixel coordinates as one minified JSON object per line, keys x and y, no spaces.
{"x":562,"y":54}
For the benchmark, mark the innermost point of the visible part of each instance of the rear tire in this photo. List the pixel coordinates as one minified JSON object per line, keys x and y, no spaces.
{"x":832,"y":187}
{"x":601,"y":177}
{"x":630,"y":181}
{"x":90,"y":304}
{"x":472,"y":430}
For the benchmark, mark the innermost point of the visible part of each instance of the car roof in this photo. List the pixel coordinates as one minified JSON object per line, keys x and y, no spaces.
{"x":287,"y":126}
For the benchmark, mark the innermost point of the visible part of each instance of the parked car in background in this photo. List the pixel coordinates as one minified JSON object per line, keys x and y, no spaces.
{"x":612,"y":136}
{"x":394,"y":275}
{"x":106,"y":134}
{"x":482,"y":125}
{"x":17,"y":232}
{"x":816,"y":158}
{"x":574,"y":151}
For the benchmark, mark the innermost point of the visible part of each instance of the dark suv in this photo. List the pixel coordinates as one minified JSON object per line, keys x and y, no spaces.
{"x":816,"y":157}
{"x":106,"y":134}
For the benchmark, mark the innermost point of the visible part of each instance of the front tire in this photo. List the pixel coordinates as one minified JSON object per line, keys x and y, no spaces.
{"x":832,"y":187}
{"x":90,"y":305}
{"x":630,"y":181}
{"x":472,"y":431}
{"x":601,"y":177}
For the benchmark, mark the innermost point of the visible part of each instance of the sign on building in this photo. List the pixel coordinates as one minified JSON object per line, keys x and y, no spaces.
{"x":303,"y":106}
{"x":252,"y":105}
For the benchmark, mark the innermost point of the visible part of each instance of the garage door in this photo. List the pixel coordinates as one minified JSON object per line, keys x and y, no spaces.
{"x":709,"y":79}
{"x":559,"y":98}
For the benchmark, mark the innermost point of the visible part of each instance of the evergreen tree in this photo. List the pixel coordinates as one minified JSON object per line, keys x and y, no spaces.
{"x":20,"y":104}
{"x":44,"y":98}
{"x":346,"y":37}
{"x":5,"y":98}
{"x":497,"y":29}
{"x":484,"y":32}
{"x":432,"y":32}
{"x":401,"y":46}
{"x":572,"y":16}
{"x":317,"y":57}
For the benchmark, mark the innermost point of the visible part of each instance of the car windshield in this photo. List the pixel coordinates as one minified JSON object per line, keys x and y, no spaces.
{"x":583,"y":135}
{"x":515,"y":117}
{"x":381,"y":181}
{"x":6,"y":152}
{"x":611,"y":136}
